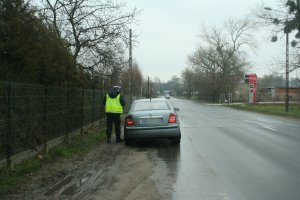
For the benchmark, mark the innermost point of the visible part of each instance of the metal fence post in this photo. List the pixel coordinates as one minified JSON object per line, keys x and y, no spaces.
{"x":9,"y":133}
{"x":82,"y":115}
{"x":93,"y":108}
{"x":101,"y":106}
{"x":44,"y":140}
{"x":68,"y":116}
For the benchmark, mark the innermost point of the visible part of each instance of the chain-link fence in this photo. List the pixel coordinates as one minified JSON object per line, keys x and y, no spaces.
{"x":31,"y":115}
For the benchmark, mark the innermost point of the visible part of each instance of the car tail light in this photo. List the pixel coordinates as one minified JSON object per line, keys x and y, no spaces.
{"x":129,"y":120}
{"x":172,"y":118}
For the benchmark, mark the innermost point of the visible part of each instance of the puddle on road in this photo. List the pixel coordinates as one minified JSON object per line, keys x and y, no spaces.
{"x":182,"y":172}
{"x":166,"y":159}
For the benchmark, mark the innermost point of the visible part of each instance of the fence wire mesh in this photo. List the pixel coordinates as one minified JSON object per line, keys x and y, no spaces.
{"x":33,"y":114}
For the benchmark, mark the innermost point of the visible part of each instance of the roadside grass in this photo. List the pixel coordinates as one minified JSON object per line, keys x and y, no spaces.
{"x":79,"y":146}
{"x":271,"y":109}
{"x":9,"y":178}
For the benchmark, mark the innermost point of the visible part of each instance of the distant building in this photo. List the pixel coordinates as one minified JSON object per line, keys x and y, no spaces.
{"x":278,"y":94}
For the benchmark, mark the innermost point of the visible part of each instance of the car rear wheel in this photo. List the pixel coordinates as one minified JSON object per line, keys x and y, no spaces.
{"x":176,"y":141}
{"x":127,"y":142}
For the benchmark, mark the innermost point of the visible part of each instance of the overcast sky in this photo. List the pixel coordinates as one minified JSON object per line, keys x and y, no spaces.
{"x":168,"y":32}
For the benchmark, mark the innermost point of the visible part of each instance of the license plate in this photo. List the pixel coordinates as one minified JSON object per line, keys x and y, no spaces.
{"x":151,"y":121}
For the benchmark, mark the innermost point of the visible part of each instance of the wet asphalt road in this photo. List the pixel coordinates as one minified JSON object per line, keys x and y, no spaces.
{"x":231,"y":154}
{"x":224,"y":154}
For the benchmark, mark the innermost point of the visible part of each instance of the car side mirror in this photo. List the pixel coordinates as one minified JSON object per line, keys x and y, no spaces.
{"x":176,"y":109}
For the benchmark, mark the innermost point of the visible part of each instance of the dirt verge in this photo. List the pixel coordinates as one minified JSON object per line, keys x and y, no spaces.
{"x":108,"y":171}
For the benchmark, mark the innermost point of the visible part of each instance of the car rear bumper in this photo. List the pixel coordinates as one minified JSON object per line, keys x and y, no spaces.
{"x":148,"y":132}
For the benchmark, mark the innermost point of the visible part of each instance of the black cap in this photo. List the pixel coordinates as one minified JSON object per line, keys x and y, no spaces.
{"x":117,"y":88}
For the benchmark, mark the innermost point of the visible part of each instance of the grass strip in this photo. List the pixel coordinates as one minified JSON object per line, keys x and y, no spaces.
{"x":79,"y":146}
{"x":271,"y":109}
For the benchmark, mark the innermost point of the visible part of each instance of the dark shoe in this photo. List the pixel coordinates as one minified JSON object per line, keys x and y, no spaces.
{"x":118,"y":140}
{"x":108,"y":139}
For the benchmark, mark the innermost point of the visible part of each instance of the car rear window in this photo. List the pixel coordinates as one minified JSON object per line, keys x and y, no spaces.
{"x":150,"y":105}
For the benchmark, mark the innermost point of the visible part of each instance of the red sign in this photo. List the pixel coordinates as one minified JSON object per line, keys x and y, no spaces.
{"x":252,"y":78}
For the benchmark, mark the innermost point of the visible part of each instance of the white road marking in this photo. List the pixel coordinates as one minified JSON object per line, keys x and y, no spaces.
{"x":267,"y":127}
{"x":293,"y":125}
{"x":260,"y":124}
{"x":181,"y":122}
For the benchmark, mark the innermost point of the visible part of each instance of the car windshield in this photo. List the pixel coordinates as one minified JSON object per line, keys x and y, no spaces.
{"x":150,"y":105}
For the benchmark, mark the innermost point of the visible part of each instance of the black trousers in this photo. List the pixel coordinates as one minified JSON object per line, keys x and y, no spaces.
{"x":113,"y":118}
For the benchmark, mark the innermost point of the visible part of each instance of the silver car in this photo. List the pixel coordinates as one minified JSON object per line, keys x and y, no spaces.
{"x":152,"y":118}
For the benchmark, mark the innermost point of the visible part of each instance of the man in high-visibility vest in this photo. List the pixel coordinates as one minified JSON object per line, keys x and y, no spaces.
{"x":114,"y":103}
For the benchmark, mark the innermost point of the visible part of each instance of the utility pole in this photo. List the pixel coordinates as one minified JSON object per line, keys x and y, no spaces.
{"x":130,"y":65}
{"x":148,"y":86}
{"x":287,"y":71}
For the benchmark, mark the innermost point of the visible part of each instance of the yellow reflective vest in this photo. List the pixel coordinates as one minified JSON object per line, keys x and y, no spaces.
{"x":113,"y":105}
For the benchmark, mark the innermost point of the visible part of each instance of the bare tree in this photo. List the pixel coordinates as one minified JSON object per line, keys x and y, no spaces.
{"x":283,"y":20}
{"x":95,"y":31}
{"x":137,"y":80}
{"x":221,"y":58}
{"x":186,"y":77}
{"x":157,"y":85}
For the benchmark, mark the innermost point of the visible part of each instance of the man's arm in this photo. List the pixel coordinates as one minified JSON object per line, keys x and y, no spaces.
{"x":122,"y":101}
{"x":104,"y":100}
